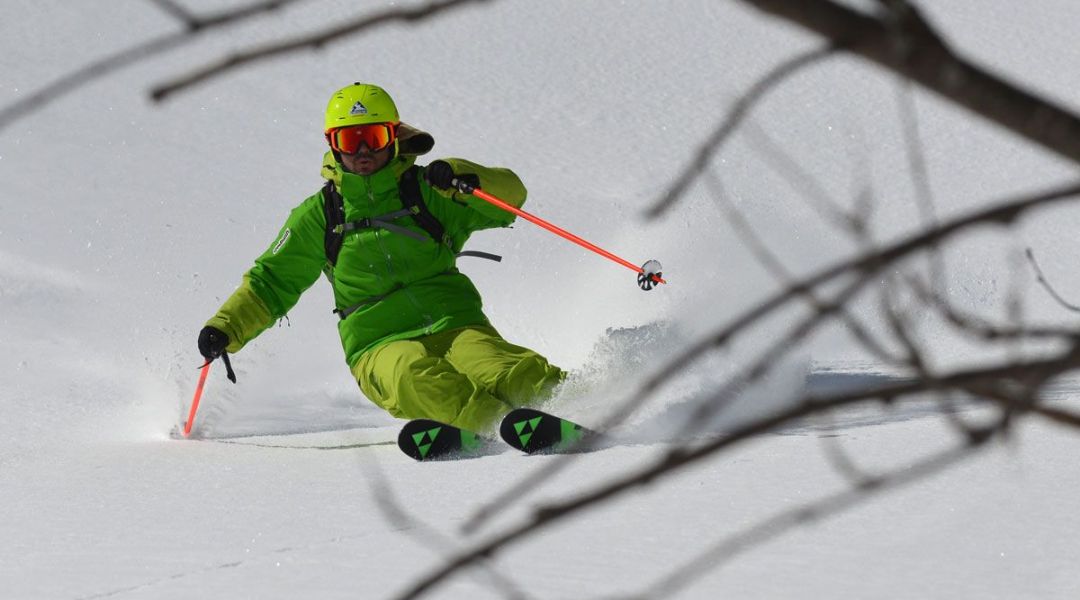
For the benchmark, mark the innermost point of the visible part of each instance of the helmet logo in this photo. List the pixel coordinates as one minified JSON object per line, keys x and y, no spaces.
{"x":358,"y":109}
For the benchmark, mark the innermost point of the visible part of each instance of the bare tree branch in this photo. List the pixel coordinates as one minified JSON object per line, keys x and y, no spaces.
{"x":920,"y":175}
{"x":1046,"y":284}
{"x":179,"y":12}
{"x":999,"y":214}
{"x":775,"y":266}
{"x":680,"y":457}
{"x":917,"y":52}
{"x":896,"y":37}
{"x":772,"y":355}
{"x":899,"y":323}
{"x":903,"y":42}
{"x":841,"y":461}
{"x":70,"y":82}
{"x":803,"y":182}
{"x":978,"y":327}
{"x":917,"y":363}
{"x":215,"y":20}
{"x":389,"y":504}
{"x":313,"y":41}
{"x":773,"y":527}
{"x":731,"y":121}
{"x":1057,"y":415}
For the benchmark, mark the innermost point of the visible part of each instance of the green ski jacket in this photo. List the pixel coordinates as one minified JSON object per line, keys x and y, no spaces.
{"x":399,"y":287}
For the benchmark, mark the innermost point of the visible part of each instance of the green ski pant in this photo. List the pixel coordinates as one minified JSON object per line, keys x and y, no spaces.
{"x":467,"y":377}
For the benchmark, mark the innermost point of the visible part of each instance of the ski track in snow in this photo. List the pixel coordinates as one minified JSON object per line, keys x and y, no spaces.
{"x":267,"y":556}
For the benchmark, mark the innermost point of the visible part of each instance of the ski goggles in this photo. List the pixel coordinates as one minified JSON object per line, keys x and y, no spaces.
{"x":376,"y":136}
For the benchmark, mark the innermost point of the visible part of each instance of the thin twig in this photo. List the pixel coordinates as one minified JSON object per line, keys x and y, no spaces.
{"x":841,"y":461}
{"x":1046,"y":284}
{"x":732,"y":119}
{"x":772,"y":263}
{"x":68,"y":83}
{"x":1000,"y":214}
{"x":800,"y":180}
{"x":1057,"y":415}
{"x":679,"y":458}
{"x":424,"y":533}
{"x":179,"y":12}
{"x":920,"y":175}
{"x":917,"y":363}
{"x":785,"y":521}
{"x":313,"y":41}
{"x":771,"y":356}
{"x":900,"y":326}
{"x":980,"y":328}
{"x":928,"y":61}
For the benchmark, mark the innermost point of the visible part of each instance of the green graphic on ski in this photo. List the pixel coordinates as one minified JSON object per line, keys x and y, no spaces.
{"x":533,"y":431}
{"x":424,"y":439}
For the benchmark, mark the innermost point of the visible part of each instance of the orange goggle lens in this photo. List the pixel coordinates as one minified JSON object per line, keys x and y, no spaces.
{"x":347,"y":140}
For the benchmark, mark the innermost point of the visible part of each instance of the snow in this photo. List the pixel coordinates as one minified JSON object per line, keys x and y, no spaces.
{"x":124,"y":224}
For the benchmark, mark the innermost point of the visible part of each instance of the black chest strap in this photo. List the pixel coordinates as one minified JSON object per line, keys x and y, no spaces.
{"x":382,"y":222}
{"x":413,"y":206}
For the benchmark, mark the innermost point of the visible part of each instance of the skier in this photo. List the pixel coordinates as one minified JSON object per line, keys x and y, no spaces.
{"x":412,"y":326}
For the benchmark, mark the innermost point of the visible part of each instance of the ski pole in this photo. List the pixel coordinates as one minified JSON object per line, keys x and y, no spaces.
{"x":648,"y":274}
{"x":195,"y":401}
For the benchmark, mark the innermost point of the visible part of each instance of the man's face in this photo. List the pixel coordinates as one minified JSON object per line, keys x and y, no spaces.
{"x":364,"y":161}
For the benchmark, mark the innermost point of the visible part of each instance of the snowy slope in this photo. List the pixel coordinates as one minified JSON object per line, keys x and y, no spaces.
{"x":124,"y":224}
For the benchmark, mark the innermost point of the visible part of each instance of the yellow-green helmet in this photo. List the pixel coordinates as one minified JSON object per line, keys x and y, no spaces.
{"x":360,"y":104}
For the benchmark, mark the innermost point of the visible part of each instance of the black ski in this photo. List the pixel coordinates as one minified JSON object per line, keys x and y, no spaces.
{"x":533,"y":431}
{"x":424,"y":439}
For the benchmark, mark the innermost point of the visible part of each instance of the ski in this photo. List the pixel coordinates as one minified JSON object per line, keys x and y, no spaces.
{"x":533,"y":431}
{"x":425,"y":439}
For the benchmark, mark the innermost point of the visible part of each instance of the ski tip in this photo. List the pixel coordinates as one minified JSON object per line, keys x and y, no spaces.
{"x":537,"y":432}
{"x":408,"y":444}
{"x":427,"y":440}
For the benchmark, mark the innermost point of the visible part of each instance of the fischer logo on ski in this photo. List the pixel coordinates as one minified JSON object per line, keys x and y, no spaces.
{"x":425,"y":439}
{"x":525,"y":430}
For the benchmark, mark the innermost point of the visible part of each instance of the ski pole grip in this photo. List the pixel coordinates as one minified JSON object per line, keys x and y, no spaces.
{"x":461,"y":186}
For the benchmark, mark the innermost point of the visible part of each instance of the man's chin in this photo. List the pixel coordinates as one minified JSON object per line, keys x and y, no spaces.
{"x":362,"y":168}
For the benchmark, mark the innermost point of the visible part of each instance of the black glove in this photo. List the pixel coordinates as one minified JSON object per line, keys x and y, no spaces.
{"x":439,"y":174}
{"x":212,"y":342}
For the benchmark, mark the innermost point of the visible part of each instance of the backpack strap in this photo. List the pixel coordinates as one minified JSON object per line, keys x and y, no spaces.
{"x":413,"y":201}
{"x":413,"y":205}
{"x":334,"y":210}
{"x":337,"y":227}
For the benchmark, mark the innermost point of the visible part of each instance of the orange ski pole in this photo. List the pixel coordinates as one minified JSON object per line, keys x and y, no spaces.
{"x":195,"y":401}
{"x":648,"y":274}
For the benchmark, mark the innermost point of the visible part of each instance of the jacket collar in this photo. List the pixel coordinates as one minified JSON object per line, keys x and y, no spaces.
{"x":379,"y":183}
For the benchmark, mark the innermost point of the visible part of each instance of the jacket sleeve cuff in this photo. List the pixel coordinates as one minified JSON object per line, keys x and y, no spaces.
{"x":243,"y":317}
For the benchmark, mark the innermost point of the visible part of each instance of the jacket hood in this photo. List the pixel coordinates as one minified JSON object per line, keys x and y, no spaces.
{"x":413,"y":142}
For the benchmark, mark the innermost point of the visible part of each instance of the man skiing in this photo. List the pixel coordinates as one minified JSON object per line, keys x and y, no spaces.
{"x":412,"y":326}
